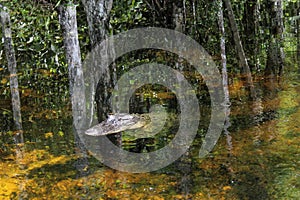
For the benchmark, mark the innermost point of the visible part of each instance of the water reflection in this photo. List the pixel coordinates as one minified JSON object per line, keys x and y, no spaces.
{"x":263,"y":162}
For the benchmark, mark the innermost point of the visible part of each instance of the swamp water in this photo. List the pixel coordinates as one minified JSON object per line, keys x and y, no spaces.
{"x":259,"y":159}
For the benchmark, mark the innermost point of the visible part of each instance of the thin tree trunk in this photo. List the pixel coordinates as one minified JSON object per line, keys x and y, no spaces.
{"x":257,"y":37}
{"x":97,"y":12}
{"x":98,"y":18}
{"x":298,"y":43}
{"x":275,"y":55}
{"x":297,"y":12}
{"x":224,"y":76}
{"x":194,"y":12}
{"x":225,"y":88}
{"x":12,"y":67}
{"x":184,"y":163}
{"x":251,"y":33}
{"x":280,"y":37}
{"x":14,"y":88}
{"x":77,"y":87}
{"x":240,"y":50}
{"x":184,"y":11}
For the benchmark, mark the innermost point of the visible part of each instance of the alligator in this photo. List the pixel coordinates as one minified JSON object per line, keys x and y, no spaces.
{"x":116,"y":123}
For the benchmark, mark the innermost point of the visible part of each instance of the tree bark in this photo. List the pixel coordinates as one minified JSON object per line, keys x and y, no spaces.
{"x":97,"y":16}
{"x":73,"y":57}
{"x":280,"y":37}
{"x":76,"y":79}
{"x":224,"y":75}
{"x":239,"y":47}
{"x":275,"y":55}
{"x":12,"y":67}
{"x":251,"y":33}
{"x":298,"y":44}
{"x":14,"y":88}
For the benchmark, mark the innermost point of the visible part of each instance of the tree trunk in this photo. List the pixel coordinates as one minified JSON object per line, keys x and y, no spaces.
{"x":280,"y":37}
{"x":224,"y":75}
{"x":184,"y":163}
{"x":97,"y":12}
{"x":14,"y":88}
{"x":298,"y":44}
{"x":97,"y":16}
{"x":275,"y":55}
{"x":296,"y":18}
{"x":12,"y":67}
{"x":77,"y":87}
{"x":251,"y":33}
{"x":239,"y":47}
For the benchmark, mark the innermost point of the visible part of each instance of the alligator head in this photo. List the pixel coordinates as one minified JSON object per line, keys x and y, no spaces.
{"x":119,"y":122}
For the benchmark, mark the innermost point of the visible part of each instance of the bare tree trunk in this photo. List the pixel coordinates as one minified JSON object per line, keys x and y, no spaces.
{"x":14,"y":88}
{"x":239,"y":47}
{"x":298,"y":33}
{"x":77,"y":87}
{"x":298,"y":43}
{"x":251,"y":33}
{"x":184,"y":163}
{"x":225,"y":88}
{"x":224,"y":76}
{"x":12,"y":67}
{"x":280,"y":37}
{"x":257,"y":37}
{"x":98,"y":16}
{"x":194,"y":12}
{"x":275,"y":55}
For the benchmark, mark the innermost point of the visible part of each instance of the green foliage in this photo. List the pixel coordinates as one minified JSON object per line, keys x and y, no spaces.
{"x":126,"y":15}
{"x":38,"y":43}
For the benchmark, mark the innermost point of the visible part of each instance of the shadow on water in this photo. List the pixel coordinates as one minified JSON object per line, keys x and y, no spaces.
{"x":263,"y":162}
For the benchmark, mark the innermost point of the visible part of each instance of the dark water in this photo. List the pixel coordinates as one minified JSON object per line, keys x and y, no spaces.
{"x":259,"y":159}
